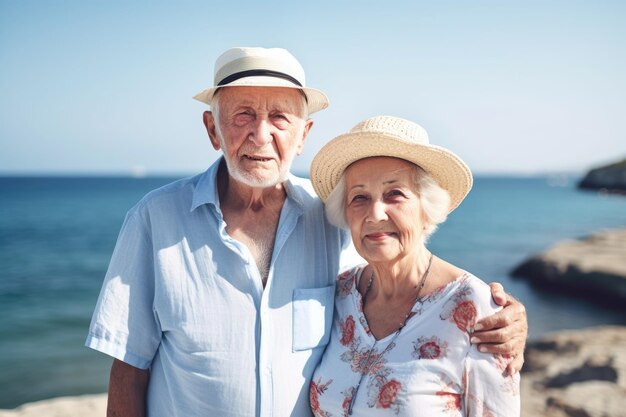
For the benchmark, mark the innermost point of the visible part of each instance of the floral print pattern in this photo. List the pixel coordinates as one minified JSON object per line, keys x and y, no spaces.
{"x":430,"y":348}
{"x":450,"y":396}
{"x":347,"y":399}
{"x":345,"y":283}
{"x":388,"y":394}
{"x":461,"y":310}
{"x":347,"y":331}
{"x":430,"y":368}
{"x":315,"y":390}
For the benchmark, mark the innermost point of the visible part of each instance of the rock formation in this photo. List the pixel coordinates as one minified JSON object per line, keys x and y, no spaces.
{"x":611,"y":178}
{"x":594,"y":267}
{"x":576,"y":374}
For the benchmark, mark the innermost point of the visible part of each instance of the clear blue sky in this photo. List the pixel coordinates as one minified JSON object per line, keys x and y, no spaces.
{"x":515,"y":87}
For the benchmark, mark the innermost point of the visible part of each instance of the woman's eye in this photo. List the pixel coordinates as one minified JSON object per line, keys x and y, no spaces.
{"x":395,"y":193}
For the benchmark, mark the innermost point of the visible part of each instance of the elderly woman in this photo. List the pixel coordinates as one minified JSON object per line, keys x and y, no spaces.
{"x":400,"y":341}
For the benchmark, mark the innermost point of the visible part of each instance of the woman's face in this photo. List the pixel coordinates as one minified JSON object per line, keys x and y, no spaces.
{"x":383,"y":209}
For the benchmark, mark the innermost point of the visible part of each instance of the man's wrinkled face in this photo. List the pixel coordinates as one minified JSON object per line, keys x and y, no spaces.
{"x":260,"y":130}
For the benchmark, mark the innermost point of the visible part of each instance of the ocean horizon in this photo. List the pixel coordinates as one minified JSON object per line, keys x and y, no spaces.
{"x":57,"y":234}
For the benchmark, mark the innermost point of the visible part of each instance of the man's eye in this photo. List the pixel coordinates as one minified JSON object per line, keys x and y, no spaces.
{"x":243,"y":117}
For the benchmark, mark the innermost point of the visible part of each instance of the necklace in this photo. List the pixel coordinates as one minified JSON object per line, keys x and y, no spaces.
{"x":392,"y":343}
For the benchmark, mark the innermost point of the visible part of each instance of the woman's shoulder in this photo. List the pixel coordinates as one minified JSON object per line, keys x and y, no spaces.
{"x":465,"y":301}
{"x":348,"y":280}
{"x":462,"y":283}
{"x":471,"y":288}
{"x":456,"y":282}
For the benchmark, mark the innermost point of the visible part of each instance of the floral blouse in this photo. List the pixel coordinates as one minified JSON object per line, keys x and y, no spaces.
{"x":430,"y":368}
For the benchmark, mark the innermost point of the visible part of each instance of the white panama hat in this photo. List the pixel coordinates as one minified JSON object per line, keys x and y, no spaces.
{"x":262,"y":67}
{"x":393,"y":137}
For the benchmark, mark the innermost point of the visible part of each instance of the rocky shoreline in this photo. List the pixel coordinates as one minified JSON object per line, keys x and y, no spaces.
{"x":578,"y":373}
{"x":610,"y":178}
{"x":593,"y":268}
{"x":79,"y":406}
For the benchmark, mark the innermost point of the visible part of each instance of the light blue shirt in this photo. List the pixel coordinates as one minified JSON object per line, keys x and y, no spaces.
{"x":184,"y":299}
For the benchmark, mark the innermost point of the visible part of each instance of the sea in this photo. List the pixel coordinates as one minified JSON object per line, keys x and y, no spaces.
{"x":57,"y":235}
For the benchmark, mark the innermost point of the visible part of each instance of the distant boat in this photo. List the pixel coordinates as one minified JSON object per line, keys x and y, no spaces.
{"x":558,"y":180}
{"x":138,"y":171}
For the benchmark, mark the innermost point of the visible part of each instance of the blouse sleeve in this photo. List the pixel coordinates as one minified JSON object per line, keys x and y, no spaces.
{"x":488,"y":391}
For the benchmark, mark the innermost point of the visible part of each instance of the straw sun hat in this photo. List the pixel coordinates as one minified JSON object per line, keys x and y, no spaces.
{"x":262,"y":67}
{"x":393,"y":137}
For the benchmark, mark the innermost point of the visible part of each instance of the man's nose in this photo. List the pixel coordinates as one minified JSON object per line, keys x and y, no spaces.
{"x":262,"y":132}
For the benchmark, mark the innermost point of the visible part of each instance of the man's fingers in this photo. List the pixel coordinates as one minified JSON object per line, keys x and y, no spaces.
{"x":496,"y":286}
{"x":500,"y":348}
{"x":505,"y":331}
{"x":516,"y":365}
{"x":512,"y":313}
{"x":498,"y":293}
{"x":495,"y":321}
{"x":491,"y":336}
{"x":515,"y":331}
{"x":512,"y":337}
{"x":512,"y":347}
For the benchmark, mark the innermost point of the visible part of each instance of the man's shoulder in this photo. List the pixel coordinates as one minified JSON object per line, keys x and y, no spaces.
{"x":182,"y":185}
{"x":304,"y":191}
{"x":174,"y":193}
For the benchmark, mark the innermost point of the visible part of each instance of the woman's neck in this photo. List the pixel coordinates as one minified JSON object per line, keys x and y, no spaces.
{"x":400,"y":277}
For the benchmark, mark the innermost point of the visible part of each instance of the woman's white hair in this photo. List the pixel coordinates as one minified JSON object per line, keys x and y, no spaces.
{"x":434,"y":202}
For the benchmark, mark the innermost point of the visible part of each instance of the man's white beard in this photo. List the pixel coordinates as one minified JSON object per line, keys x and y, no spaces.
{"x":250,"y":180}
{"x":246,"y":178}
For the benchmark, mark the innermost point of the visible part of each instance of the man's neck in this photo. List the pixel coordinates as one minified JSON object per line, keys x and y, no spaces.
{"x":238,"y":196}
{"x":251,"y":215}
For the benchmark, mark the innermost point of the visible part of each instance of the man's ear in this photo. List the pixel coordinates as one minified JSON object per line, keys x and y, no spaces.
{"x":209,"y":123}
{"x":305,"y":133}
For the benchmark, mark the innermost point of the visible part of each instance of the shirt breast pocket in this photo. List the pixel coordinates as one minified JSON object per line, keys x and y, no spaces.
{"x":312,"y":317}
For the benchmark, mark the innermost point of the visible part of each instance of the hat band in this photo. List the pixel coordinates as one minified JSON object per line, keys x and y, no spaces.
{"x":258,"y":72}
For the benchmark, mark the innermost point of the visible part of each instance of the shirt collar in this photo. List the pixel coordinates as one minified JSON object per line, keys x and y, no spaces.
{"x":205,"y":191}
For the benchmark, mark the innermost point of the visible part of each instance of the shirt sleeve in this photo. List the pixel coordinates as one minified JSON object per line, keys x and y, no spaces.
{"x":124,"y":324}
{"x":488,"y":392}
{"x":349,"y":257}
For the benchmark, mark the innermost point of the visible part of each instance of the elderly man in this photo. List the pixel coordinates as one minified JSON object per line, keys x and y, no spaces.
{"x":219,"y":295}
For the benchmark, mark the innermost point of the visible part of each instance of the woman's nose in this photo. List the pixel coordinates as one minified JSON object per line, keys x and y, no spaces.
{"x":377,"y":211}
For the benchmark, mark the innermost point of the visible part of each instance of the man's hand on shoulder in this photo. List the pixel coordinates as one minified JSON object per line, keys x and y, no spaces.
{"x":504,"y":332}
